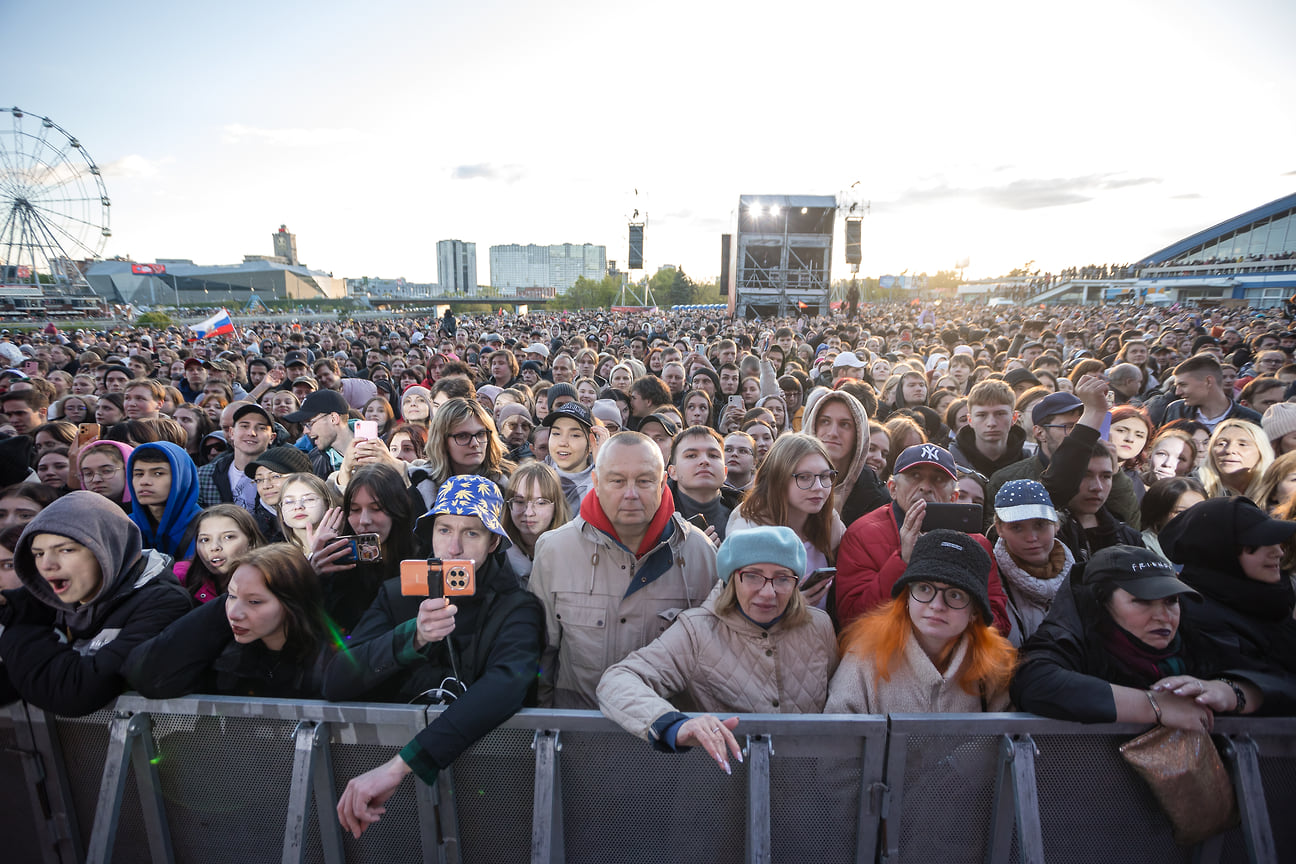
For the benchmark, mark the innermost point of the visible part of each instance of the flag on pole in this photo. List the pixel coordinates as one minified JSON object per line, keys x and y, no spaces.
{"x":219,"y":324}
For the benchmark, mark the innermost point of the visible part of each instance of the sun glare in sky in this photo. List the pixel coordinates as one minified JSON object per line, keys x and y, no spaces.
{"x":1000,"y":133}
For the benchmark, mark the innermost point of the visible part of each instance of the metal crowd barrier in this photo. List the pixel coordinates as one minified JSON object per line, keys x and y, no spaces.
{"x":219,"y":779}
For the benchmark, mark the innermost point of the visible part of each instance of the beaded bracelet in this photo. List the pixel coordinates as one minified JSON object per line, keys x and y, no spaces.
{"x":1237,"y":694}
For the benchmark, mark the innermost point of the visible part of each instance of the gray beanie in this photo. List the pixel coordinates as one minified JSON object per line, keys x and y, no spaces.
{"x":562,"y":388}
{"x":1279,"y":420}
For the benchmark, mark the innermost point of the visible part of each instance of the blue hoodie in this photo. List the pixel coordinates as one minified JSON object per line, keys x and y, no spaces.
{"x":181,"y":507}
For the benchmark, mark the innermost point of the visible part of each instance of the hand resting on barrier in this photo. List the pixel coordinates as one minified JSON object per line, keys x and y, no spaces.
{"x":712,"y":735}
{"x":1218,"y":695}
{"x":362,"y":801}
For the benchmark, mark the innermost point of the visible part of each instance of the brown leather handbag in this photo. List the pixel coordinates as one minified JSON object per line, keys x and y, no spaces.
{"x":1189,"y":781}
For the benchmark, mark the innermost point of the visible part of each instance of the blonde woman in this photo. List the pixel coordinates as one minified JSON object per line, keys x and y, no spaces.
{"x":1237,"y":456}
{"x":461,"y":440}
{"x":304,"y":501}
{"x":533,"y":504}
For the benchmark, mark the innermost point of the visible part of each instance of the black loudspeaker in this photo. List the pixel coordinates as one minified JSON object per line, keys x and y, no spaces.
{"x":635,"y":257}
{"x":853,"y":241}
{"x":725,"y":242}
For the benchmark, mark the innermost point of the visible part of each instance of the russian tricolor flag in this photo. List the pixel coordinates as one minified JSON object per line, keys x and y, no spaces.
{"x":219,"y":324}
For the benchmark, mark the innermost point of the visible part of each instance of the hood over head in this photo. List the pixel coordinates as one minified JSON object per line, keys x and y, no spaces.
{"x":124,"y":449}
{"x":94,"y":522}
{"x":182,"y":503}
{"x":845,"y":479}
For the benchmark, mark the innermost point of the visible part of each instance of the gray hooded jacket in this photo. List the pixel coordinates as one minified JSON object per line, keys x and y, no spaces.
{"x":65,"y":657}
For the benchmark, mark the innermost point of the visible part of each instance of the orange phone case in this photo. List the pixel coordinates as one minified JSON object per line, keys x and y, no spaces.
{"x":414,"y":578}
{"x":460,"y":578}
{"x":455,"y":578}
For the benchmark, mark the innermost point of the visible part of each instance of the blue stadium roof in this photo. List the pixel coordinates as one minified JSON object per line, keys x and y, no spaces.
{"x":1228,"y":226}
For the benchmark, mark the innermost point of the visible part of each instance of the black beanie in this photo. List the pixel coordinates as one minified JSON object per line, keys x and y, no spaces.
{"x":952,"y":558}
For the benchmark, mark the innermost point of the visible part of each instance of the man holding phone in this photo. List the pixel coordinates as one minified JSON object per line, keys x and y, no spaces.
{"x":478,"y":655}
{"x":875,"y":550}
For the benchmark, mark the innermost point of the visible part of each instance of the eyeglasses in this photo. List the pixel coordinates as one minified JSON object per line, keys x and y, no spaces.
{"x":91,"y":476}
{"x":1067,"y":426}
{"x":522,"y":504}
{"x":463,"y":439}
{"x":304,"y":502}
{"x":269,"y":479}
{"x":741,"y":451}
{"x":757,"y":581}
{"x":925,"y":592}
{"x":975,"y":475}
{"x":807,"y":480}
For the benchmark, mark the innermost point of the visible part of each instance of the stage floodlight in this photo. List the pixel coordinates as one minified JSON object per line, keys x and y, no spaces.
{"x":774,"y":210}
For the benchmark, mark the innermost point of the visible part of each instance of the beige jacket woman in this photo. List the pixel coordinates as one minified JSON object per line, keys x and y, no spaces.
{"x":916,"y":686}
{"x":722,"y":664}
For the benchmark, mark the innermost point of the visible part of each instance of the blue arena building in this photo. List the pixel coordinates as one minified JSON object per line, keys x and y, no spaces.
{"x":1251,"y":257}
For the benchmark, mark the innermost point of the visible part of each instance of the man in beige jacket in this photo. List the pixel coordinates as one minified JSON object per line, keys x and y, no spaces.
{"x":614,"y":578}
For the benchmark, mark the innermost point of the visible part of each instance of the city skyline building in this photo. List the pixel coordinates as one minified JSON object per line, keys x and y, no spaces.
{"x":457,"y":266}
{"x":514,"y":267}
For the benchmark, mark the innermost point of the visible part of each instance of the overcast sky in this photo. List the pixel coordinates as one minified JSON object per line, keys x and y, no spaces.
{"x":1000,"y":132}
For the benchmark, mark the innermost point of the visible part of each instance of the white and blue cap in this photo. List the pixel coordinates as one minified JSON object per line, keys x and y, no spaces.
{"x":468,"y":495}
{"x":1019,"y":500}
{"x":767,"y":544}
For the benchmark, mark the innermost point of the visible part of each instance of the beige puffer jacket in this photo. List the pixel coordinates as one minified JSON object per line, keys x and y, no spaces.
{"x":722,"y":664}
{"x":916,"y":686}
{"x":581,"y":576}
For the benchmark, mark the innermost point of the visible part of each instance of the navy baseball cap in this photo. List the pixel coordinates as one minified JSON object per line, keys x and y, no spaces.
{"x":1054,"y":404}
{"x":926,"y":454}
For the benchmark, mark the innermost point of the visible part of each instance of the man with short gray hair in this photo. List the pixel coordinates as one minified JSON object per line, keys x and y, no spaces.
{"x":1126,"y":382}
{"x":614,"y":578}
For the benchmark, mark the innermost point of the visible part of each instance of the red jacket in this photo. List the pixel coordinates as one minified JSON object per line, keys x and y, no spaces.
{"x":868,"y":565}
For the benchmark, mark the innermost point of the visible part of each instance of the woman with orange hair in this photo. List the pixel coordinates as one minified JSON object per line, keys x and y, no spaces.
{"x":933,"y":648}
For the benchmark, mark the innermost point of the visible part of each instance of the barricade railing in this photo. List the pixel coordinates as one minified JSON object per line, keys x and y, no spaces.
{"x":218,"y":779}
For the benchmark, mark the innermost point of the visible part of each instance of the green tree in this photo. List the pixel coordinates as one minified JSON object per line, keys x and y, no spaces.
{"x":591,"y":294}
{"x":707,"y":293}
{"x":154,"y":319}
{"x":673,"y":287}
{"x":682,"y":289}
{"x":944,"y":282}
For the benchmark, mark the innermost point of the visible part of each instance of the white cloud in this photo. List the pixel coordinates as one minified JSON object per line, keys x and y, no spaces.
{"x":135,"y":167}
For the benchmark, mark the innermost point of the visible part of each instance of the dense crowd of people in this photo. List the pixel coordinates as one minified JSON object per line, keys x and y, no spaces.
{"x":1082,"y":512}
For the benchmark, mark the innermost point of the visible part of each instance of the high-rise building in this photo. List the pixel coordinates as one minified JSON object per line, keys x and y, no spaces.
{"x":515,"y":267}
{"x":285,"y":245}
{"x":457,"y":266}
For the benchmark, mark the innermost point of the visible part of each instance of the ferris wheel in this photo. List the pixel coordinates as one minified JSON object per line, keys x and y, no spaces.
{"x":53,"y":204}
